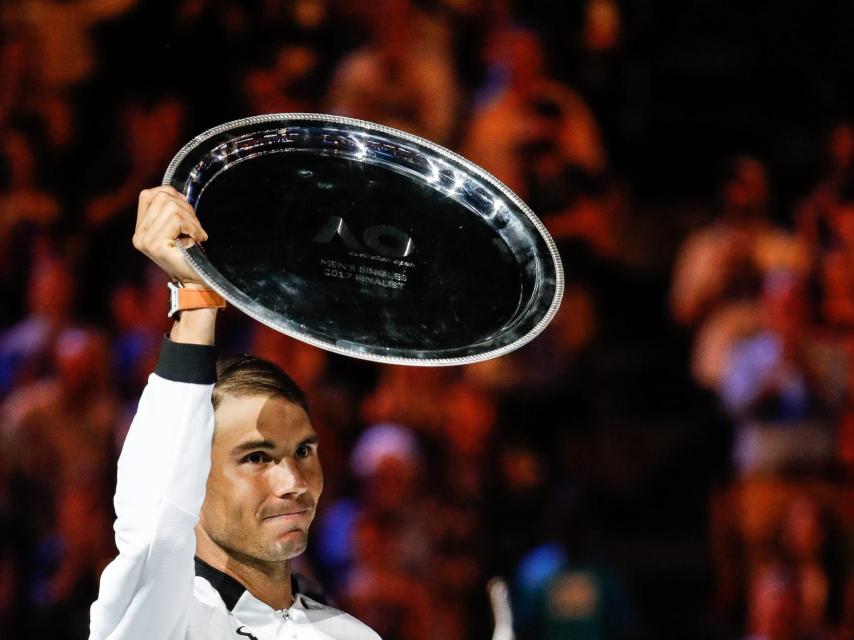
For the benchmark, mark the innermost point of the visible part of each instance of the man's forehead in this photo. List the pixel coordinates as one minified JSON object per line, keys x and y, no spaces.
{"x":260,"y":417}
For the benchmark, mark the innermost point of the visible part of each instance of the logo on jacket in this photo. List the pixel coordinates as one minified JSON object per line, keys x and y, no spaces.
{"x":240,"y":631}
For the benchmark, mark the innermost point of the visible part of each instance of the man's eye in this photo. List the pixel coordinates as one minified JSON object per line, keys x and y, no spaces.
{"x":303,"y":451}
{"x":256,"y":457}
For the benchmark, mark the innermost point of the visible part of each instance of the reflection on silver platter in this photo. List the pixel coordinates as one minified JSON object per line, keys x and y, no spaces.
{"x":367,"y":241}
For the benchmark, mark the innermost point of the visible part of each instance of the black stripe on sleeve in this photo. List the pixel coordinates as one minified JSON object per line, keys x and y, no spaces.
{"x":181,"y":362}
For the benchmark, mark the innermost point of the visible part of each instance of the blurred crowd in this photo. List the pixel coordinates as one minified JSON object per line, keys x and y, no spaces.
{"x":620,"y":493}
{"x":769,"y":309}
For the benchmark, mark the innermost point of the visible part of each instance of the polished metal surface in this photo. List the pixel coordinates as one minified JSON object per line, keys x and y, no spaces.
{"x":367,"y":241}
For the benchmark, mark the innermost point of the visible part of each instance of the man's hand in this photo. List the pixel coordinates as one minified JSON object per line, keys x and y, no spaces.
{"x":165,"y":218}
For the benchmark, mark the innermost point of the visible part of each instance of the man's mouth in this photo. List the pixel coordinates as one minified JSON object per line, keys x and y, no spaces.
{"x":287,"y":515}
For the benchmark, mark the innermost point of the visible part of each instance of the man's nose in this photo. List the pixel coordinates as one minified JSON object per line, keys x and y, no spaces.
{"x":287,"y":479}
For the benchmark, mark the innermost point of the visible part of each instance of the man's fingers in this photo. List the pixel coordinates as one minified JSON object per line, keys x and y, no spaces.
{"x":165,"y":222}
{"x":167,"y":228}
{"x":164,"y":199}
{"x":190,"y":226}
{"x":165,"y":203}
{"x":145,"y":198}
{"x":168,"y":188}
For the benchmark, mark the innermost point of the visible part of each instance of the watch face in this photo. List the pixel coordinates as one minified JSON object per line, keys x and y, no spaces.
{"x":174,"y":306}
{"x":366,"y":241}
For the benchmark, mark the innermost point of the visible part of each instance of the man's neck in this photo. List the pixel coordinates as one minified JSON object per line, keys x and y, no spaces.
{"x":269,"y":582}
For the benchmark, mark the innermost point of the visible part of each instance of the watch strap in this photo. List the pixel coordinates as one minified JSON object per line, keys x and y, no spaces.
{"x":184,"y":299}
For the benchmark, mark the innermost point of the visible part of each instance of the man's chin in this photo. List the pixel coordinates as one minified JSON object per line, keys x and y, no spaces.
{"x":287,"y":546}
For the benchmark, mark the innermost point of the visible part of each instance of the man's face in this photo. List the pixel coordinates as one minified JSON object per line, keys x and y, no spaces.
{"x":265,"y":478}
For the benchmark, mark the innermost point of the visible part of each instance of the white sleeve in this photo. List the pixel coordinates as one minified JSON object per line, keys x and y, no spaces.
{"x":147,"y":590}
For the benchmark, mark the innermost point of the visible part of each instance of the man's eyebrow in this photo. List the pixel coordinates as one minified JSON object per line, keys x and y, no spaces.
{"x":312,"y":439}
{"x":252,"y":445}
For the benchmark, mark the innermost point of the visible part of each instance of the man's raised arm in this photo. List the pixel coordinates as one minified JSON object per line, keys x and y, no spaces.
{"x":147,"y":590}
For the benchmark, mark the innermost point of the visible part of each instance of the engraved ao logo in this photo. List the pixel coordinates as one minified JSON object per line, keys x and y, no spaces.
{"x":384,"y":239}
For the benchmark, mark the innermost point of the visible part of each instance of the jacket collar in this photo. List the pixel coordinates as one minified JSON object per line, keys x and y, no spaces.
{"x":229,"y":589}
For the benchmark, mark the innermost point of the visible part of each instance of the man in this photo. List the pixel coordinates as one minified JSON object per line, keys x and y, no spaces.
{"x":227,"y":472}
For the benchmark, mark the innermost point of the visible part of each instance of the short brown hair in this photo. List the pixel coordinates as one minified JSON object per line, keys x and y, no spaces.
{"x":249,"y":376}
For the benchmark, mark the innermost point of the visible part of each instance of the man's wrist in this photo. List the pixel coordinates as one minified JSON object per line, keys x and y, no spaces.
{"x":195,"y":326}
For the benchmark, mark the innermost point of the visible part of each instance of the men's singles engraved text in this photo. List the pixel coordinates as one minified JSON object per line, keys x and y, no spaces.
{"x":365,"y":274}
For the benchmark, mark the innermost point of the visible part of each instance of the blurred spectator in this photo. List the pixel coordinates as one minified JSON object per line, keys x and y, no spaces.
{"x":468,"y":424}
{"x":304,"y":363}
{"x":310,"y":37}
{"x":776,"y":357}
{"x":769,"y":386}
{"x":765,"y":377}
{"x":58,"y":34}
{"x":723,"y":262}
{"x":153,"y":130}
{"x":458,"y":521}
{"x":408,"y":395}
{"x":136,"y":342}
{"x":61,"y":431}
{"x":150,"y":131}
{"x":840,"y":155}
{"x":393,"y":602}
{"x":27,"y":213}
{"x":285,"y":85}
{"x":522,"y":108}
{"x":386,"y":549}
{"x":837,"y":289}
{"x":66,"y":420}
{"x":553,"y":358}
{"x":16,"y":87}
{"x":775,"y":607}
{"x":59,"y":44}
{"x":804,"y":539}
{"x":25,"y":346}
{"x":386,"y":460}
{"x":403,"y":78}
{"x":8,"y":546}
{"x":21,"y":197}
{"x":836,"y":179}
{"x":590,"y":46}
{"x":602,"y":25}
{"x":566,"y":589}
{"x":839,"y":218}
{"x":519,"y":500}
{"x":846,"y":626}
{"x":715,"y":338}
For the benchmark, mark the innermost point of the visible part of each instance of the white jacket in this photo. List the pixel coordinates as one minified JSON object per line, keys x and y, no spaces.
{"x":155,"y":589}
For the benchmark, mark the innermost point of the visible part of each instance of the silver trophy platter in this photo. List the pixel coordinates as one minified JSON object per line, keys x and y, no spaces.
{"x":366,"y":241}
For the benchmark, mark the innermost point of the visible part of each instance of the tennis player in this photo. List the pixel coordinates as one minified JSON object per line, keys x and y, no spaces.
{"x":218,"y":481}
